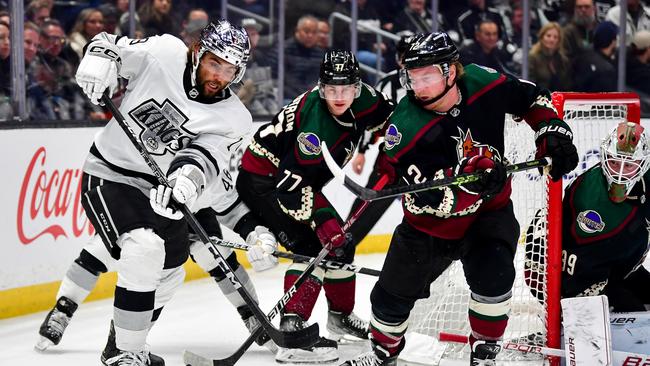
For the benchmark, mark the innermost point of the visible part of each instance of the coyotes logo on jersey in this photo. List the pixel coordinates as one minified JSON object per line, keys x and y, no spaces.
{"x":162,"y":126}
{"x":467,"y":147}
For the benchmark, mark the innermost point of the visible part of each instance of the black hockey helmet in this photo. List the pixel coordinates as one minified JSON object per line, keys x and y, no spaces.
{"x":339,"y":68}
{"x":431,"y":49}
{"x":403,"y":44}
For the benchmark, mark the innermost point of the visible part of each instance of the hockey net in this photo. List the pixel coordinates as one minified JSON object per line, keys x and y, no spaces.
{"x":535,"y":314}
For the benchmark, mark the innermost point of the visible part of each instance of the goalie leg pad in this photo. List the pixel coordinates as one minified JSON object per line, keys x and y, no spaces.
{"x":302,"y":303}
{"x":339,"y":287}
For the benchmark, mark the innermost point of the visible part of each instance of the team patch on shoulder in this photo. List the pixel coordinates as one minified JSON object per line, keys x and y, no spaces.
{"x":590,"y":221}
{"x":392,"y":138}
{"x":309,"y":143}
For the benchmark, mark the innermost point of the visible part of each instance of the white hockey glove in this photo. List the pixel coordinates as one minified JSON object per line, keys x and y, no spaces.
{"x":99,"y":68}
{"x":262,"y":244}
{"x":159,"y":201}
{"x":188,"y":182}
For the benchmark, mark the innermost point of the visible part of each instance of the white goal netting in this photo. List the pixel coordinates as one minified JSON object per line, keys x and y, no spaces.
{"x":534,"y":292}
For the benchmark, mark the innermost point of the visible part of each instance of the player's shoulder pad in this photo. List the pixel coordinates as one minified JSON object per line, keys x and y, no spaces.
{"x":477,"y":78}
{"x":402,"y":125}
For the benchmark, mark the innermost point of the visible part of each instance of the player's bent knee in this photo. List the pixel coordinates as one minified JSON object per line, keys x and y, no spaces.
{"x":95,"y":257}
{"x":202,"y":255}
{"x":141,"y":262}
{"x":388,"y":307}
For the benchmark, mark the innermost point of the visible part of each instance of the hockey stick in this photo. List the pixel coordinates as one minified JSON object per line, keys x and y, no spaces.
{"x":193,"y":359}
{"x":328,"y":264}
{"x":368,"y":194}
{"x":621,"y":358}
{"x":295,"y":339}
{"x":510,"y":346}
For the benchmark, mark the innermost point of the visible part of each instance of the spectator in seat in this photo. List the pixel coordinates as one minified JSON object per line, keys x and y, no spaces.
{"x":4,"y":17}
{"x":638,"y":18}
{"x":302,"y":58}
{"x":595,"y":70}
{"x":416,"y":17}
{"x":257,"y":90}
{"x":484,"y":51}
{"x":578,"y":33}
{"x":367,"y":41}
{"x":194,"y":22}
{"x":548,"y":67}
{"x":638,"y":62}
{"x":477,"y":12}
{"x":38,"y":11}
{"x":90,"y":22}
{"x":6,"y":111}
{"x":156,"y":19}
{"x":111,"y":17}
{"x":64,"y":99}
{"x":324,"y":35}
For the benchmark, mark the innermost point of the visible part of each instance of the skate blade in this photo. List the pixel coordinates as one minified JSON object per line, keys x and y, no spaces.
{"x":346,"y":339}
{"x":43,"y":344}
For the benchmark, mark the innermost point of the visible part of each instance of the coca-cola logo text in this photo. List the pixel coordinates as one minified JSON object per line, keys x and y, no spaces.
{"x":50,"y":196}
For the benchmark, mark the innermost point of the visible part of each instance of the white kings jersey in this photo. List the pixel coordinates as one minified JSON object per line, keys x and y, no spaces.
{"x":174,"y":123}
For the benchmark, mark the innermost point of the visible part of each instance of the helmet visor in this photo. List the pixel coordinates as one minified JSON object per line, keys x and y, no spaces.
{"x":339,"y":92}
{"x":421,"y":77}
{"x":224,"y":70}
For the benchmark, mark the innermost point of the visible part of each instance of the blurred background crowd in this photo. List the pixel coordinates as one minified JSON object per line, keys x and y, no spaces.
{"x":570,"y":45}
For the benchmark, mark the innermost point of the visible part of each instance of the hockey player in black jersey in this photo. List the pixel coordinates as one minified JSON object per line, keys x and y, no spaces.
{"x":281,"y":178}
{"x":179,"y":103}
{"x":606,"y":224}
{"x":451,"y":122}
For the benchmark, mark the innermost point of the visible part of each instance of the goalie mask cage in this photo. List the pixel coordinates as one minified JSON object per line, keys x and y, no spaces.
{"x":535,"y":308}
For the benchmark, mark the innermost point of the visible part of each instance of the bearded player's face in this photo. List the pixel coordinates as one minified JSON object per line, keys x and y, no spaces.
{"x":214,"y":74}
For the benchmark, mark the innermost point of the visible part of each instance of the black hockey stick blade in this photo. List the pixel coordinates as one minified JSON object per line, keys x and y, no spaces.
{"x":289,"y":339}
{"x":368,"y":194}
{"x":192,"y":359}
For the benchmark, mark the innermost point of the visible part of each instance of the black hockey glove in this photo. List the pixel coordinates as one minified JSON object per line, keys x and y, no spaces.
{"x":555,"y":140}
{"x":492,"y":180}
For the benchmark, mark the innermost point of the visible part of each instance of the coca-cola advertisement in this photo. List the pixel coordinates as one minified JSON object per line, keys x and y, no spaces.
{"x":43,"y":223}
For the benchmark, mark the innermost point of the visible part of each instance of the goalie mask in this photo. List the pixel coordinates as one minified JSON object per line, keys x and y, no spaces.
{"x":625,"y":158}
{"x":340,"y":77}
{"x":226,"y":41}
{"x":432,"y":49}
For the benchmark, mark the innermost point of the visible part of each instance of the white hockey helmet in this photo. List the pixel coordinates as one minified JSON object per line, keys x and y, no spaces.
{"x":226,"y":41}
{"x":625,"y":158}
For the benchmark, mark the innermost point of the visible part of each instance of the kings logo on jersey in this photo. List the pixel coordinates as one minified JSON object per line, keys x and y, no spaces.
{"x":162,"y":126}
{"x":467,"y":147}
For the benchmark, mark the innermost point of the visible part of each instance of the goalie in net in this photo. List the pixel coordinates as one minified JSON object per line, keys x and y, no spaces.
{"x":451,"y":122}
{"x":605,"y":226}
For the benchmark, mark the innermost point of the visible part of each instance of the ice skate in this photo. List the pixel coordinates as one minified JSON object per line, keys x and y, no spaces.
{"x":324,"y":351}
{"x":346,"y":328}
{"x":484,"y":353}
{"x":113,"y":356}
{"x":53,"y":327}
{"x":377,"y":357}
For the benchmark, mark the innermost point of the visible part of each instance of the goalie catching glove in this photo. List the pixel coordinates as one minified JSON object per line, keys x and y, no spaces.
{"x":99,"y":68}
{"x":262,"y":244}
{"x":491,"y":181}
{"x":555,"y":140}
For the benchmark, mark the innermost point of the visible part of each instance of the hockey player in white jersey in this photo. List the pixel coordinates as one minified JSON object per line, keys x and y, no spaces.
{"x":179,"y":103}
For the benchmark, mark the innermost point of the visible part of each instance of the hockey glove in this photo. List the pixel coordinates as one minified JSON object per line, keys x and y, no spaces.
{"x":99,"y":68}
{"x":492,"y":179}
{"x":331,"y":232}
{"x":262,"y":244}
{"x":159,"y":200}
{"x":554,"y":139}
{"x":188,"y":182}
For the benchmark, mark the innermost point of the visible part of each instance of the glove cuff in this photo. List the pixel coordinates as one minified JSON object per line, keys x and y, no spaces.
{"x":554,"y":126}
{"x":101,"y":46}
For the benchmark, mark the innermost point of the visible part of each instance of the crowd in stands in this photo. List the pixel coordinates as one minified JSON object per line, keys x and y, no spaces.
{"x":573,"y":43}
